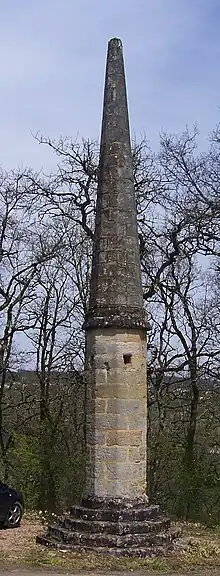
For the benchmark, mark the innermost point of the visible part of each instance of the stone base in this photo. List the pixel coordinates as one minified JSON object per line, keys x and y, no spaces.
{"x":114,"y":527}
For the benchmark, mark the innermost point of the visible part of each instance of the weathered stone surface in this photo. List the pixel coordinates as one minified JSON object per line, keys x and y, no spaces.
{"x":124,"y":438}
{"x":112,"y":453}
{"x":100,"y":406}
{"x":135,"y":527}
{"x":116,"y":503}
{"x":111,"y":421}
{"x":106,"y":539}
{"x":125,"y":391}
{"x":114,"y":517}
{"x":117,"y":513}
{"x":121,"y":405}
{"x":117,"y":408}
{"x":107,"y":488}
{"x":123,"y":469}
{"x":116,"y":526}
{"x":119,"y":552}
{"x":116,"y":259}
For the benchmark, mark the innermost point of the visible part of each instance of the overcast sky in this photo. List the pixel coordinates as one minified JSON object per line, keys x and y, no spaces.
{"x":52,"y":69}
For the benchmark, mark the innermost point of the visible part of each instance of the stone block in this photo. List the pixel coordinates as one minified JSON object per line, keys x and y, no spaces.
{"x":100,"y":488}
{"x":137,"y":421}
{"x":138,"y":393}
{"x":117,"y":489}
{"x":123,"y":438}
{"x":100,"y":405}
{"x":138,"y":362}
{"x":116,"y":375}
{"x":115,"y":362}
{"x":125,"y":406}
{"x":112,"y":391}
{"x":111,"y":453}
{"x":117,"y":334}
{"x":122,"y":391}
{"x":138,"y":487}
{"x":96,"y":437}
{"x":99,"y":348}
{"x":100,"y":470}
{"x":111,"y":421}
{"x":111,"y":489}
{"x":99,"y":364}
{"x":137,"y":454}
{"x":125,"y":470}
{"x":100,"y":375}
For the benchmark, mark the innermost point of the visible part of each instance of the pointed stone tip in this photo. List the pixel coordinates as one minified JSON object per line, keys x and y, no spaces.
{"x":115,"y":43}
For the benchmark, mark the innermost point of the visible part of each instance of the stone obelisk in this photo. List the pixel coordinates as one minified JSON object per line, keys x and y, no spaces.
{"x":114,"y":516}
{"x":115,"y":323}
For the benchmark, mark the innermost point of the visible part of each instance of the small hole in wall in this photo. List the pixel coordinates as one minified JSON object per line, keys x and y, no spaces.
{"x":127,"y":358}
{"x":92,"y":360}
{"x":107,"y":366}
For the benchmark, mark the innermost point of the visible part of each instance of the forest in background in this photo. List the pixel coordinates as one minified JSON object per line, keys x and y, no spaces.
{"x":46,"y":235}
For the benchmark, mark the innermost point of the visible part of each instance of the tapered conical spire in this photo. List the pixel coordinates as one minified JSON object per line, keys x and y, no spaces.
{"x":116,"y":297}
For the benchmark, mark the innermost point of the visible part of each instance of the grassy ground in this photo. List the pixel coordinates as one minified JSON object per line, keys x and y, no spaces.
{"x":18,"y":548}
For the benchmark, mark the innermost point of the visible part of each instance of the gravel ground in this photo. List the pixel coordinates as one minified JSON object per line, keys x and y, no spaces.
{"x":18,"y":549}
{"x":24,"y":572}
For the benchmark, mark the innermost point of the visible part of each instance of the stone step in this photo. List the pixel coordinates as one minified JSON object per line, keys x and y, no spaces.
{"x":132,"y":552}
{"x":56,"y":532}
{"x":116,"y":503}
{"x":116,"y":515}
{"x":97,"y":526}
{"x":52,"y":543}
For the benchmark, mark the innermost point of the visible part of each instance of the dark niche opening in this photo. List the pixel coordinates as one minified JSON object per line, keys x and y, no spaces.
{"x":127,"y":358}
{"x":92,"y":358}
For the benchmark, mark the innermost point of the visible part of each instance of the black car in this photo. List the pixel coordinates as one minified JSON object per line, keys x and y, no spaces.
{"x":11,"y":506}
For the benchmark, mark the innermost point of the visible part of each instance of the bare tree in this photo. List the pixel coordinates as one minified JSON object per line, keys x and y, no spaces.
{"x":23,"y":250}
